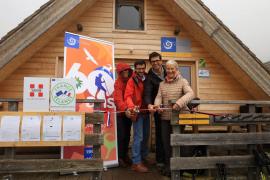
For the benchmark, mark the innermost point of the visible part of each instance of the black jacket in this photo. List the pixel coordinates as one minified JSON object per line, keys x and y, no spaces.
{"x":151,"y":85}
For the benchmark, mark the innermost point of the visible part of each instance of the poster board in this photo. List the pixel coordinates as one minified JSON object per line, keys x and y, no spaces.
{"x":63,"y":95}
{"x":91,"y":62}
{"x":36,"y":94}
{"x":26,"y":129}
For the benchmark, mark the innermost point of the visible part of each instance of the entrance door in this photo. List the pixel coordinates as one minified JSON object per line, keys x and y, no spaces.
{"x":188,"y":71}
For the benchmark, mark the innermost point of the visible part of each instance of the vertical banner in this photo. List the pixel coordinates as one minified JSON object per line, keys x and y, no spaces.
{"x":91,"y":63}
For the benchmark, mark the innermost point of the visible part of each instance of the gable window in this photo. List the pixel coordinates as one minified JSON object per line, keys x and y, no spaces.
{"x":129,"y":14}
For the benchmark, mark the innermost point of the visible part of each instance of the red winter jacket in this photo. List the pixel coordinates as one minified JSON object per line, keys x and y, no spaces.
{"x":134,"y":92}
{"x":119,"y":87}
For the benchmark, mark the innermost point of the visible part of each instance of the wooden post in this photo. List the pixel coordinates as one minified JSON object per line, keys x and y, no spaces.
{"x":176,"y":149}
{"x":252,"y":172}
{"x":97,"y":149}
{"x":195,"y":129}
{"x":9,"y":153}
{"x":97,"y":129}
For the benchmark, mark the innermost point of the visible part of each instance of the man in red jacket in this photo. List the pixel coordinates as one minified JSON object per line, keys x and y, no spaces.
{"x":141,"y":124}
{"x":123,"y":123}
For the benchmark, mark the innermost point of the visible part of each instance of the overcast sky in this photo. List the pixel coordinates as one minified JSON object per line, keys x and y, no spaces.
{"x":248,"y":19}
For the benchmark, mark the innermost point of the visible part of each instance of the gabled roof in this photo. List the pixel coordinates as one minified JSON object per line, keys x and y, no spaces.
{"x":202,"y":24}
{"x":267,"y":65}
{"x":36,"y":31}
{"x":26,"y":20}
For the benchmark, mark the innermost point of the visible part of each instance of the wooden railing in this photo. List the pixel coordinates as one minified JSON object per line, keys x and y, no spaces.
{"x":20,"y":160}
{"x":229,"y":141}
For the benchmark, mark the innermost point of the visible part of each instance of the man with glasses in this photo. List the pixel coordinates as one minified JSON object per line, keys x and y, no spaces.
{"x":155,"y":75}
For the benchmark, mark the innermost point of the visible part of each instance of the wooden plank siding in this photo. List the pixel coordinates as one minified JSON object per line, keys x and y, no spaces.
{"x":97,"y":22}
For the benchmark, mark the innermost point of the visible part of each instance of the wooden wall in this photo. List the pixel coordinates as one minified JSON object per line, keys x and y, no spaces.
{"x":129,"y":45}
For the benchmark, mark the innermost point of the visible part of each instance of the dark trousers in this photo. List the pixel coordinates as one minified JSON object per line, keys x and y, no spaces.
{"x":160,"y":157}
{"x":123,"y":135}
{"x":166,"y":131}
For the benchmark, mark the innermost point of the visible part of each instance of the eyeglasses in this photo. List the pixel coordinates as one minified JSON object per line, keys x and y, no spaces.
{"x":156,"y":61}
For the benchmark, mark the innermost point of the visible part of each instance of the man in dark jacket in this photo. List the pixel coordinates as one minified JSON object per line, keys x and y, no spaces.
{"x":123,"y":123}
{"x":155,"y":75}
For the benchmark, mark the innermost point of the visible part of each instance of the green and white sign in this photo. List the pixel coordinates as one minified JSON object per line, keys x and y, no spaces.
{"x":63,"y":94}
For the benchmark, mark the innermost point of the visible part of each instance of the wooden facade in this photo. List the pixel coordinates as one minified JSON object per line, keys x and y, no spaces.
{"x":98,"y":22}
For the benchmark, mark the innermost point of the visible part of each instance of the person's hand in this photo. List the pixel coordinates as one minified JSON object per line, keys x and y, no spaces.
{"x":176,"y":107}
{"x":128,"y":113}
{"x":131,"y":114}
{"x":159,"y":109}
{"x":152,"y":108}
{"x":136,"y":109}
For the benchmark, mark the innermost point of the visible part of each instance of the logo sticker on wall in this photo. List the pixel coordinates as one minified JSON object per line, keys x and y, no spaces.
{"x":72,"y":40}
{"x":175,"y":47}
{"x":168,"y":44}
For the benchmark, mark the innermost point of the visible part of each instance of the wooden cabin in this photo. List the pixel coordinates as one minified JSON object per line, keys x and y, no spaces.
{"x":36,"y":46}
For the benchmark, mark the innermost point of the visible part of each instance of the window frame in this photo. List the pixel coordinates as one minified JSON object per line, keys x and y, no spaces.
{"x":143,"y":15}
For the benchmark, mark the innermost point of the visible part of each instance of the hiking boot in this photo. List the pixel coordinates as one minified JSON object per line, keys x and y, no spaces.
{"x":122,"y":163}
{"x":139,"y":168}
{"x":160,"y":165}
{"x":148,"y":161}
{"x":166,"y":172}
{"x":128,"y":160}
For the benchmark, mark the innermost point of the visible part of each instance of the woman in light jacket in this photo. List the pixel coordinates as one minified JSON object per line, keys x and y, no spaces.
{"x":174,"y":87}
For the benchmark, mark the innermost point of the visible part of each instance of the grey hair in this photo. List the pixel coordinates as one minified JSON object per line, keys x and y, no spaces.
{"x":172,"y":62}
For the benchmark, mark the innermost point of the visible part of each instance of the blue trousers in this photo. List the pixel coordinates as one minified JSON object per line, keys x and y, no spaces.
{"x":141,"y":130}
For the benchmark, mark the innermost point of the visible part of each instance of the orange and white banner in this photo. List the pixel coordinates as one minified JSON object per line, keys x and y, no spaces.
{"x":91,"y":62}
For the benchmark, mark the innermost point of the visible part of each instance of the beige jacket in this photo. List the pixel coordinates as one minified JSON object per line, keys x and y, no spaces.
{"x":178,"y":90}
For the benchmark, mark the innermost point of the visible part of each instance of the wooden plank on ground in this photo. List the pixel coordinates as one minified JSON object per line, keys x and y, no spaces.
{"x":50,"y":165}
{"x":220,"y":139}
{"x":182,"y":163}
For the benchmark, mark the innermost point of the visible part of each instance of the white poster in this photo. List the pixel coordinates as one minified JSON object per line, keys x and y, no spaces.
{"x":9,"y":128}
{"x":72,"y":126}
{"x":36,"y":94}
{"x":52,"y":128}
{"x":30,"y":130}
{"x":63,"y":94}
{"x":204,"y":73}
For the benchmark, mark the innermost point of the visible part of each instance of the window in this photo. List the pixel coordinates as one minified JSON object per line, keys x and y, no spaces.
{"x":129,"y":14}
{"x":59,"y":67}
